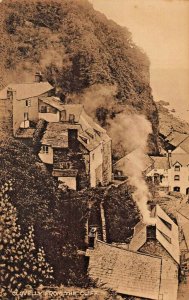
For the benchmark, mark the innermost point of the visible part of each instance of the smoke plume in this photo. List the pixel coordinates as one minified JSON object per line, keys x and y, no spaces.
{"x":131,"y":132}
{"x":96,"y":96}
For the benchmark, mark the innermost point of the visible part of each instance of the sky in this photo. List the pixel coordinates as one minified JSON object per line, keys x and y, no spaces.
{"x":161,"y":28}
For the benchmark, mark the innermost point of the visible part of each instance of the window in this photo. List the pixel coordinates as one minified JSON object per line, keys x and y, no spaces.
{"x":176,"y":177}
{"x":43,"y":109}
{"x":45,"y":149}
{"x":119,"y":173}
{"x":176,"y":189}
{"x":93,"y":156}
{"x":71,"y":118}
{"x":28,"y":102}
{"x":177,"y":168}
{"x":25,"y":116}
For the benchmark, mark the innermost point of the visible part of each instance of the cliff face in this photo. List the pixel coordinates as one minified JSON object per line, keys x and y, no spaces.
{"x":75,"y":47}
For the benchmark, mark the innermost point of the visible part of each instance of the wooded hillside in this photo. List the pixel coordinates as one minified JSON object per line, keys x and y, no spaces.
{"x":76,"y":47}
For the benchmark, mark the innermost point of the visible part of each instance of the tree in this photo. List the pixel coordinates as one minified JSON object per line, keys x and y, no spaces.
{"x":21,"y":264}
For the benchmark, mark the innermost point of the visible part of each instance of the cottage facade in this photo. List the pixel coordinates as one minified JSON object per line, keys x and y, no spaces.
{"x":160,"y":238}
{"x":24,"y":100}
{"x":74,"y":145}
{"x":171,"y":172}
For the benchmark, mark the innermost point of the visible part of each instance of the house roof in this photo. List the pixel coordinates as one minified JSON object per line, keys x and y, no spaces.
{"x":184,"y":224}
{"x":64,"y":172}
{"x":55,"y":102}
{"x":126,"y":272}
{"x":55,"y":135}
{"x":182,"y":159}
{"x":26,"y":90}
{"x":124,"y":164}
{"x":25,"y":133}
{"x":175,"y":138}
{"x":90,"y":134}
{"x":183,"y":221}
{"x":185,"y":145}
{"x":160,"y":162}
{"x":168,"y":238}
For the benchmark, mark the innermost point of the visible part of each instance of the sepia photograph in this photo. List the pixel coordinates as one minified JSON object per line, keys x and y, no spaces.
{"x":94,"y":149}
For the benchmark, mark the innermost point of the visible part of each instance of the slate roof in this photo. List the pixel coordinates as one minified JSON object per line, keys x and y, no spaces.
{"x":176,"y":138}
{"x":55,"y":135}
{"x":25,"y":133}
{"x":168,"y":238}
{"x":55,"y":102}
{"x":183,"y":159}
{"x":183,"y":221}
{"x":125,"y":272}
{"x":26,"y":90}
{"x":185,"y":145}
{"x":160,"y":162}
{"x":90,"y":134}
{"x":124,"y":164}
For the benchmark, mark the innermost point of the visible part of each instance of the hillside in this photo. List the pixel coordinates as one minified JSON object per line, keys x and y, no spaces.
{"x":168,"y":122}
{"x":75,"y":47}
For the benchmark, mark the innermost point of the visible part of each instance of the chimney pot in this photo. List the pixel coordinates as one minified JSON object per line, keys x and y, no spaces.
{"x":38,"y":77}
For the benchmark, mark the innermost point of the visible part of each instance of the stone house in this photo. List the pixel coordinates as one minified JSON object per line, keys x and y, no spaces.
{"x":77,"y":149}
{"x":161,"y":238}
{"x":24,"y":102}
{"x":171,"y":172}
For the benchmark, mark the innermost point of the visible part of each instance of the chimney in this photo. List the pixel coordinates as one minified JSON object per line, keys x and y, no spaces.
{"x":11,"y":94}
{"x":169,"y":157}
{"x":92,"y":237}
{"x":169,"y":153}
{"x":38,"y":77}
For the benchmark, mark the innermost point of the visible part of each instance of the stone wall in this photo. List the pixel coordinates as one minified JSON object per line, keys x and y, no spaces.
{"x":6,"y":117}
{"x":74,"y":159}
{"x":107,"y":162}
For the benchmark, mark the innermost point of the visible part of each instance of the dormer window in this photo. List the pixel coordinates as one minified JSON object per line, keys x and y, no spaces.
{"x":28,"y":102}
{"x":176,"y":177}
{"x":177,"y":168}
{"x":167,"y":224}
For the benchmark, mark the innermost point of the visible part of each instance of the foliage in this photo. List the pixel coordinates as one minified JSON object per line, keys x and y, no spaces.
{"x":121,"y":214}
{"x":39,"y":131}
{"x":21,"y":264}
{"x":75,"y":47}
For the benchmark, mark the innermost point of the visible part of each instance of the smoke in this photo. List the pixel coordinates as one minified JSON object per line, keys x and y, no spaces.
{"x":131,"y":132}
{"x":57,"y":58}
{"x":96,"y":96}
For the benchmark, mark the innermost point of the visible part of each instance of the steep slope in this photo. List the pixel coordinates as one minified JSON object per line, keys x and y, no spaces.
{"x":75,"y":47}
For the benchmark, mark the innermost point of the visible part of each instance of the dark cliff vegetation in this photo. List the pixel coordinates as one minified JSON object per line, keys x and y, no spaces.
{"x":75,"y":47}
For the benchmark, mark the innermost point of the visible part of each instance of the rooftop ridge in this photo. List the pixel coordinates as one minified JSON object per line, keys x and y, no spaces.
{"x":128,"y":250}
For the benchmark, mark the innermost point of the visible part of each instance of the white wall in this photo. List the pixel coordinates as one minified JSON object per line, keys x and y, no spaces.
{"x":165,"y":180}
{"x":50,"y":117}
{"x":69,"y":181}
{"x":95,"y":163}
{"x":183,"y":183}
{"x":46,"y":158}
